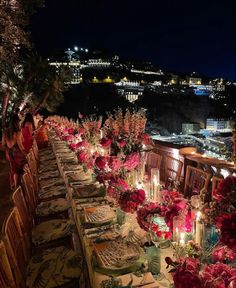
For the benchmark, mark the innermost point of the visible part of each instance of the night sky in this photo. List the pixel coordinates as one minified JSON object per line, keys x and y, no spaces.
{"x":179,"y":35}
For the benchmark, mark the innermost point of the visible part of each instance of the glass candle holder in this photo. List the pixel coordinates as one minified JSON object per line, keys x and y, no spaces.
{"x":155,"y":185}
{"x":179,"y":230}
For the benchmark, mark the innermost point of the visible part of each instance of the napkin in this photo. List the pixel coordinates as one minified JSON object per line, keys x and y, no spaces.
{"x":147,"y":281}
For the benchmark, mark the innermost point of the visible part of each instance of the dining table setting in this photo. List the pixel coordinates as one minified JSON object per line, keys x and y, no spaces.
{"x":132,"y":231}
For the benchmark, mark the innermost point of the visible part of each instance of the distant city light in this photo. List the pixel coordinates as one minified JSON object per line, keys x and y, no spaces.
{"x":86,"y":50}
{"x":76,"y":48}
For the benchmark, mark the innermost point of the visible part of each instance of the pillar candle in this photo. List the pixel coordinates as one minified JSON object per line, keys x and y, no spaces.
{"x":199,"y":229}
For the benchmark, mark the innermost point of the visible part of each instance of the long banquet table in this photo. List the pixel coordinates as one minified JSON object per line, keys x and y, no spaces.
{"x":66,"y":158}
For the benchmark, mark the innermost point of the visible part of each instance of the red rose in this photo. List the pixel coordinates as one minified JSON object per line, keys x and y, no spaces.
{"x":141,"y":195}
{"x":131,"y":161}
{"x":101,"y":162}
{"x":114,"y":163}
{"x":82,"y":156}
{"x":227,"y":224}
{"x":122,"y":184}
{"x":122,"y":143}
{"x":105,"y":142}
{"x":70,"y":130}
{"x":146,"y":139}
{"x":187,"y":274}
{"x":72,"y":146}
{"x":218,"y":275}
{"x":223,"y":192}
{"x":82,"y":144}
{"x":186,"y":279}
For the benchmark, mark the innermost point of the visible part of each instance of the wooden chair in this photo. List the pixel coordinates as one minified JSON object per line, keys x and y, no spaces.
{"x":153,"y":161}
{"x":6,"y":276}
{"x":32,"y":163}
{"x":50,"y":230}
{"x":16,"y":247}
{"x":173,"y":169}
{"x":27,"y":220}
{"x":215,"y":181}
{"x":29,"y":193}
{"x":40,"y":269}
{"x":196,"y":181}
{"x":35,"y":151}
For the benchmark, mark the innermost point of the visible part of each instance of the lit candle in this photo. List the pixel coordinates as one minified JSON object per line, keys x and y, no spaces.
{"x":155,"y":181}
{"x":155,"y":189}
{"x":101,"y":134}
{"x":182,"y":239}
{"x":147,"y":189}
{"x":139,"y":185}
{"x":198,"y":232}
{"x":101,"y":151}
{"x":176,"y":235}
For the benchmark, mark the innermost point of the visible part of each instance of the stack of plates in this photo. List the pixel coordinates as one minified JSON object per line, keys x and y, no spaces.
{"x":89,"y":190}
{"x":116,"y":254}
{"x":99,"y":214}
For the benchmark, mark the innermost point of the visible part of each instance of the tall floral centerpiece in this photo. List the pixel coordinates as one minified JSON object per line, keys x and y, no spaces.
{"x":127,"y":137}
{"x":221,"y":211}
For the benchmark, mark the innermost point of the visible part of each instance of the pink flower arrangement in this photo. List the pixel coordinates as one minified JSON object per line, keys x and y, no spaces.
{"x":175,"y":204}
{"x":131,"y":161}
{"x":131,"y":199}
{"x":144,"y":218}
{"x":114,"y":163}
{"x":226,"y":190}
{"x":185,"y":272}
{"x":227,"y":225}
{"x":219,"y":275}
{"x":170,"y":196}
{"x":223,"y":254}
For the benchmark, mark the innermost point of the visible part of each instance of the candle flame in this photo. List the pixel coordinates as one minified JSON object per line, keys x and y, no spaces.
{"x":198,"y":216}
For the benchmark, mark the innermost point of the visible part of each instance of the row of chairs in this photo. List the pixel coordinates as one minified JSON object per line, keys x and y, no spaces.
{"x":35,"y":245}
{"x":196,"y":181}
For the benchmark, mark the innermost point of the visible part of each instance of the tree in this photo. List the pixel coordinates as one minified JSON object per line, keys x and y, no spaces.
{"x":14,"y":18}
{"x":34,"y":82}
{"x":9,"y":86}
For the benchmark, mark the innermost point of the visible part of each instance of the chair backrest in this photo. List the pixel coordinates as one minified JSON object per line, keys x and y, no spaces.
{"x":35,"y":151}
{"x":6,"y":276}
{"x":32,"y":162}
{"x":215,"y":181}
{"x":16,"y":247}
{"x":196,"y":181}
{"x":153,"y":161}
{"x":173,"y":169}
{"x":33,"y":178}
{"x":29,"y":193}
{"x":20,"y":203}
